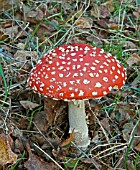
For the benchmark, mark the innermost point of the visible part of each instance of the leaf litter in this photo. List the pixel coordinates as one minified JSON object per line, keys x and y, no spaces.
{"x":28,"y":29}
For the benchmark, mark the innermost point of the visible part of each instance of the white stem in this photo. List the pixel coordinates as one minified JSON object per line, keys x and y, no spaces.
{"x":77,"y":121}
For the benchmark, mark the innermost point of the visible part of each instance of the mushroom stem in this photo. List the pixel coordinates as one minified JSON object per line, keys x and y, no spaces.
{"x":77,"y":121}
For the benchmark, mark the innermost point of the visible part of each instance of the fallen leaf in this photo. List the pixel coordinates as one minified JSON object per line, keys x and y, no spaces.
{"x":21,"y":57}
{"x":10,"y":32}
{"x":36,"y":163}
{"x":105,"y":124}
{"x":129,"y":45}
{"x":113,"y":26}
{"x":133,"y":59}
{"x":28,"y":104}
{"x":7,"y":24}
{"x":84,"y":23}
{"x":95,"y":11}
{"x":21,"y":46}
{"x":53,"y":109}
{"x":34,"y":16}
{"x":103,"y":23}
{"x":67,"y":142}
{"x":109,"y":4}
{"x":3,"y":36}
{"x":6,"y":5}
{"x":7,"y":156}
{"x":76,"y":40}
{"x":126,"y":111}
{"x":43,"y":32}
{"x":137,"y":147}
{"x":100,"y":11}
{"x":40,"y":120}
{"x":136,"y":15}
{"x":91,"y":161}
{"x":136,"y":82}
{"x":104,"y":11}
{"x":96,"y":138}
{"x":127,"y":128}
{"x":97,"y":41}
{"x":130,"y":165}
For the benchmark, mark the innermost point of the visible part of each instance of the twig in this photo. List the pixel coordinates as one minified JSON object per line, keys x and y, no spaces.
{"x":107,"y":138}
{"x":47,"y":155}
{"x":43,"y":135}
{"x":93,"y":162}
{"x":111,"y":148}
{"x":112,"y":152}
{"x":28,"y":35}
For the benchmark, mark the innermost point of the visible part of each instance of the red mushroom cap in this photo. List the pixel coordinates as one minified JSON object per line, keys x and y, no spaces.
{"x":77,"y":71}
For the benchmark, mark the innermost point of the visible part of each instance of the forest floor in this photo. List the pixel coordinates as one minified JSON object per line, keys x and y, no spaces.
{"x":34,"y":139}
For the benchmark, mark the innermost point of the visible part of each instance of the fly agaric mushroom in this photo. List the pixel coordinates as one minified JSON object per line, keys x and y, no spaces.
{"x":74,"y":73}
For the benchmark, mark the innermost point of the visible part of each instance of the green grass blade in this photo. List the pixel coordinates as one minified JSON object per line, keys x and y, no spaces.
{"x":3,"y":77}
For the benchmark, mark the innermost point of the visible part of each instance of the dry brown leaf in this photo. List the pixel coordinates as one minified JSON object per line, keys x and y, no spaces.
{"x":113,"y":26}
{"x":100,"y":11}
{"x":43,"y":32}
{"x":96,"y":40}
{"x":34,"y":16}
{"x":95,"y":11}
{"x":53,"y":110}
{"x":133,"y":59}
{"x":126,"y":111}
{"x":21,"y":46}
{"x":49,"y":105}
{"x":6,"y":154}
{"x":68,"y":141}
{"x":130,"y":45}
{"x":3,"y":36}
{"x":28,"y":104}
{"x":103,"y":11}
{"x":21,"y":58}
{"x":40,"y":120}
{"x":128,"y":128}
{"x":136,"y":83}
{"x":103,"y":23}
{"x":9,"y":32}
{"x":138,"y":147}
{"x":136,"y":15}
{"x":90,"y":161}
{"x":84,"y":23}
{"x":109,"y":4}
{"x":7,"y":24}
{"x":6,"y":5}
{"x":105,"y":124}
{"x":36,"y":163}
{"x":130,"y":165}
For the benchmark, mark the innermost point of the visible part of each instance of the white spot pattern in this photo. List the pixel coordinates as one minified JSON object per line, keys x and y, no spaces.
{"x":98,"y":85}
{"x":77,"y":72}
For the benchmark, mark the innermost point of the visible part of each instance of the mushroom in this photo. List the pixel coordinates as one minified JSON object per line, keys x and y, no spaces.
{"x":75,"y":73}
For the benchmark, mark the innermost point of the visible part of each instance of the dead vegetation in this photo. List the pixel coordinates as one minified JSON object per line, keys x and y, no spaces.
{"x":32,"y":139}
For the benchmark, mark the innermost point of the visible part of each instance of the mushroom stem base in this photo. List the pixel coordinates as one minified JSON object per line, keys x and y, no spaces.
{"x":77,"y":121}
